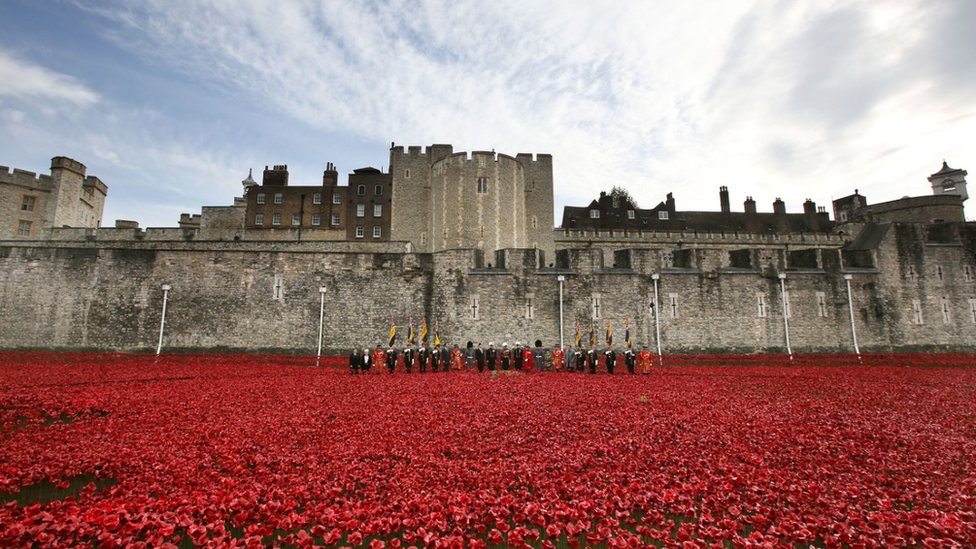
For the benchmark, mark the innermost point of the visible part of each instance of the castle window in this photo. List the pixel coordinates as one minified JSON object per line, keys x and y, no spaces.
{"x":276,"y":219}
{"x":911,"y":273}
{"x":673,"y":305}
{"x":821,"y":304}
{"x":474,"y":307}
{"x":27,"y":204}
{"x":24,"y":228}
{"x":316,"y":219}
{"x":663,"y":215}
{"x":967,"y":271}
{"x":360,"y":210}
{"x":946,"y":318}
{"x":667,"y":259}
{"x":361,"y":190}
{"x":296,"y":219}
{"x":378,"y":190}
{"x":535,"y":222}
{"x":529,"y":307}
{"x":761,"y":305}
{"x":595,"y":307}
{"x":482,"y":185}
{"x":260,"y":198}
{"x":259,"y":219}
{"x":335,"y":219}
{"x":277,"y":289}
{"x":594,"y":214}
{"x":317,"y":198}
{"x":843,"y":217}
{"x":916,"y":311}
{"x":972,"y":308}
{"x":377,"y":231}
{"x":377,"y":210}
{"x":938,"y":271}
{"x":406,"y":173}
{"x":360,"y":231}
{"x":336,"y":198}
{"x":631,"y":214}
{"x":278,"y":198}
{"x":423,"y":238}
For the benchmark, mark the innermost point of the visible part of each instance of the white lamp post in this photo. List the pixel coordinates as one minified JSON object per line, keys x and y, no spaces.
{"x":561,"y":279}
{"x":322,"y":289}
{"x":850,"y":308}
{"x":657,"y":321}
{"x":162,"y":321}
{"x":786,"y":314}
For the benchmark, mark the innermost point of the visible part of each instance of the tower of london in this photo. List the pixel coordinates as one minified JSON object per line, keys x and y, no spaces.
{"x":467,"y":241}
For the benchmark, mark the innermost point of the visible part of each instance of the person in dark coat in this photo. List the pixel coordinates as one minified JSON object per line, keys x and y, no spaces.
{"x":422,"y":354}
{"x":355,"y":361}
{"x":610,"y":359}
{"x":446,"y":359}
{"x":391,"y":359}
{"x":479,"y":358}
{"x":408,"y":357}
{"x":435,"y":358}
{"x":491,"y":355}
{"x":518,"y":356}
{"x":630,"y":359}
{"x":506,"y":356}
{"x":592,"y":360}
{"x":579,"y":359}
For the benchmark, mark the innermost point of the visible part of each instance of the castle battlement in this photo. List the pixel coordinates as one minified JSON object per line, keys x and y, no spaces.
{"x":25,"y":178}
{"x":70,"y":164}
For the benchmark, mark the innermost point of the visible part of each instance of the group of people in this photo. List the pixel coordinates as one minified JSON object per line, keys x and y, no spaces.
{"x":518,"y":358}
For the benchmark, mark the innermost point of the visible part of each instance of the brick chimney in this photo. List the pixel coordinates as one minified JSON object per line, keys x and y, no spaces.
{"x":330,"y":177}
{"x":723,"y":197}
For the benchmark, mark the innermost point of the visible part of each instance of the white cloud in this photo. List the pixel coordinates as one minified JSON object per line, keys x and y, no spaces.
{"x":23,"y":80}
{"x":772,"y":98}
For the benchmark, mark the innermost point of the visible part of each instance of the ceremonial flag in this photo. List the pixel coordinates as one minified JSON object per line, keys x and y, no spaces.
{"x":592,"y":335}
{"x":627,"y":341}
{"x":411,"y":336}
{"x":437,"y":338}
{"x":579,"y":334}
{"x":392,"y":333}
{"x":423,"y":332}
{"x":609,"y":333}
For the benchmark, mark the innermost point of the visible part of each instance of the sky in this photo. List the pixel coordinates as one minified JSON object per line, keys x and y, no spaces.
{"x":171,"y":102}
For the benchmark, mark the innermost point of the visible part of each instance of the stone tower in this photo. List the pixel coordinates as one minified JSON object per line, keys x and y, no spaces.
{"x":444,"y":200}
{"x":949,"y":181}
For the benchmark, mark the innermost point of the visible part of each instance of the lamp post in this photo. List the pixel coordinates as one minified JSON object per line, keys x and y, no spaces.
{"x":850,"y":309}
{"x":561,"y":279}
{"x":786,"y":314}
{"x":657,"y":321}
{"x":318,"y":353}
{"x":162,"y":321}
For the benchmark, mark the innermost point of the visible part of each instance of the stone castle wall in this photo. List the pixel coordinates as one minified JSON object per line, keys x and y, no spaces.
{"x":265,"y":296}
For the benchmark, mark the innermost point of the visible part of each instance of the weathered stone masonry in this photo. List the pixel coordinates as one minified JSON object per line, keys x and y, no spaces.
{"x":78,"y":294}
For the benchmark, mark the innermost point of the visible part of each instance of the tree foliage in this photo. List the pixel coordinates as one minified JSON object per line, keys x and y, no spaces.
{"x":621,"y":195}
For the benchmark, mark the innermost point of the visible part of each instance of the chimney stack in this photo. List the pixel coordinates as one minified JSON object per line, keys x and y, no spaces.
{"x":330,"y":177}
{"x":779,"y":207}
{"x":723,"y":196}
{"x":749,"y":205}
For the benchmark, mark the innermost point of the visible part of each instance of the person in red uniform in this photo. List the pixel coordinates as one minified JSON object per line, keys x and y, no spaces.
{"x":456,"y":358}
{"x":527,"y":358}
{"x":379,"y":358}
{"x":644,"y":360}
{"x":558,"y":358}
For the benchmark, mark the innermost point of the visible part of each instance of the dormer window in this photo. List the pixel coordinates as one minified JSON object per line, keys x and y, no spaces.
{"x":594,"y":214}
{"x":662,"y":215}
{"x":631,"y":214}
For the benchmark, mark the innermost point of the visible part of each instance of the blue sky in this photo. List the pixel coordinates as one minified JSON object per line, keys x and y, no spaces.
{"x":170,"y":102}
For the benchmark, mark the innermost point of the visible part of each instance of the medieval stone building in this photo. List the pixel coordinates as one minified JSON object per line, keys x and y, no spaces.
{"x":471,"y":247}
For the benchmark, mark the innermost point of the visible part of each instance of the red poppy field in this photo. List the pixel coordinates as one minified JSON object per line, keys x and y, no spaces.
{"x":113,"y":450}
